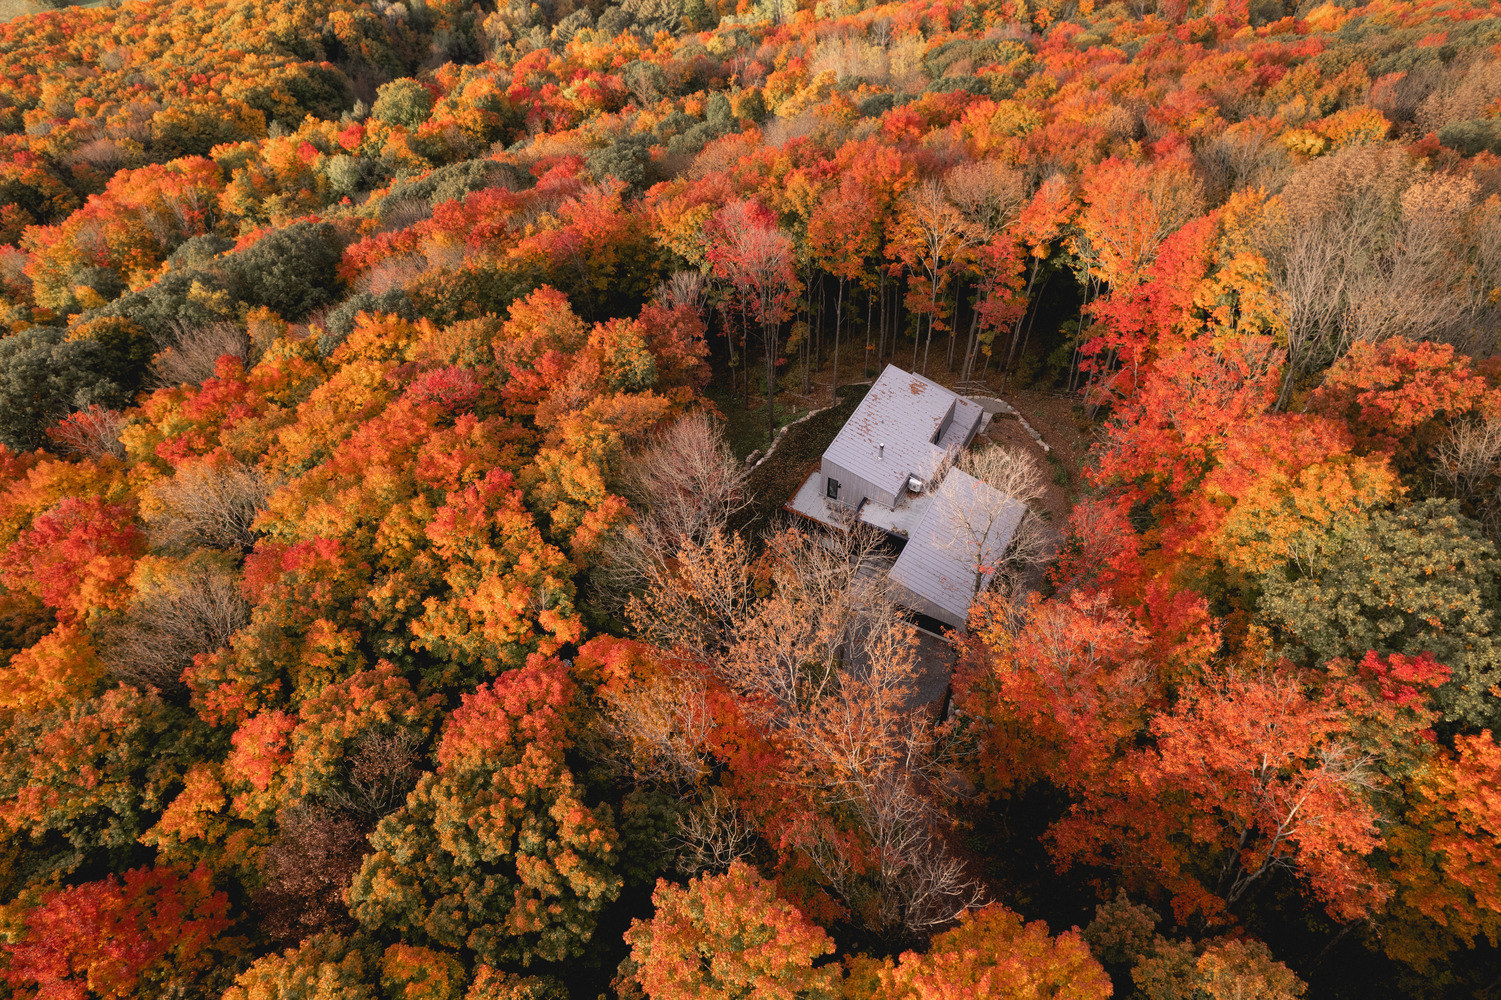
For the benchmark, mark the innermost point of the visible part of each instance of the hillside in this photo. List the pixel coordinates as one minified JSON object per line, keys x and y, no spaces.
{"x":387,"y":609}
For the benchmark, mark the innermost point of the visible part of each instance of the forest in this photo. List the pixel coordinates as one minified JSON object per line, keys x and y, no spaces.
{"x":396,"y":596}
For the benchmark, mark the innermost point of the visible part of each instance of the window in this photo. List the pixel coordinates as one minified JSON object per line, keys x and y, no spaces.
{"x":833,"y":489}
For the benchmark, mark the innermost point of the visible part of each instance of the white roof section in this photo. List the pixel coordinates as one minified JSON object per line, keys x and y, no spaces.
{"x":969,"y":524}
{"x":811,"y":501}
{"x":904,"y":412}
{"x":898,"y":520}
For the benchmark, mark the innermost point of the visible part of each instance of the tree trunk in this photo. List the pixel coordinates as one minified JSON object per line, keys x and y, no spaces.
{"x":820,"y":311}
{"x":807,"y":363}
{"x":869,"y":315}
{"x":901,"y":320}
{"x":771,"y":383}
{"x":745,"y":359}
{"x":1027,"y":337}
{"x":1017,"y":329}
{"x":1029,"y":316}
{"x":969,"y":349}
{"x":807,"y":346}
{"x":1075,"y":358}
{"x":954,"y":326}
{"x":932,"y":319}
{"x":838,"y":317}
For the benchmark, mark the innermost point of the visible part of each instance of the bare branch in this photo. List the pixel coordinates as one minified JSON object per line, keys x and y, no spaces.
{"x":209,"y":502}
{"x":191,"y":356}
{"x":684,"y":487}
{"x":92,"y":433}
{"x":155,"y":639}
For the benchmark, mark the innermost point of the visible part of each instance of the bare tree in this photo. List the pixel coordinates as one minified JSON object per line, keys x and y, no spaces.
{"x":850,"y":57}
{"x":1475,"y":92}
{"x":1012,"y":471}
{"x":1368,"y":248}
{"x":990,"y":198}
{"x":1467,"y":466}
{"x":403,"y":213}
{"x":383,"y":768}
{"x":1242,"y":158}
{"x":713,"y":835}
{"x":866,"y":755}
{"x":823,"y":665}
{"x":684,"y":486}
{"x":1400,"y":99}
{"x":994,"y":496}
{"x":92,"y":433}
{"x":307,"y":868}
{"x":103,"y":154}
{"x":1412,"y":290}
{"x":688,"y":479}
{"x":684,"y":288}
{"x":169,"y":622}
{"x":942,"y":235}
{"x":830,"y":592}
{"x":1468,"y":456}
{"x":210,"y":502}
{"x":191,"y":355}
{"x":697,"y":603}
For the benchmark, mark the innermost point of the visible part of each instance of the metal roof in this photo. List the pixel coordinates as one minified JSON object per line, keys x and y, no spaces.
{"x":968,"y":524}
{"x":902,"y":411}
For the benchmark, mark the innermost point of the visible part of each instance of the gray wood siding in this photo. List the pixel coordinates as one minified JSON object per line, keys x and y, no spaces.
{"x":853,"y":489}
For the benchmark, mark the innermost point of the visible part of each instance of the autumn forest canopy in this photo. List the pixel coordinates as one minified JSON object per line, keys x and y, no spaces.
{"x":389,"y":611}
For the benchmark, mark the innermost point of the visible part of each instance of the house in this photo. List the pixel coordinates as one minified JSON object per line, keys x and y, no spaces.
{"x":897,"y":438}
{"x":890,"y":467}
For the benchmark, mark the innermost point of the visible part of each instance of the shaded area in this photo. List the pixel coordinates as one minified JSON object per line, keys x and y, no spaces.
{"x":775,"y":480}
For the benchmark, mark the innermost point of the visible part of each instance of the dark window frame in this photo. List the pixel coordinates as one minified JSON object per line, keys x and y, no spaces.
{"x":831,"y":488}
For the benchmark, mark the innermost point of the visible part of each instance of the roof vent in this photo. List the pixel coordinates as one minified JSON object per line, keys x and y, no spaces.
{"x":880,"y":451}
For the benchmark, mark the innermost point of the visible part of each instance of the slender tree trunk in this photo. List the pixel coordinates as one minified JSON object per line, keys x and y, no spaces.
{"x":745,"y":359}
{"x":881,"y":343}
{"x":869,"y":315}
{"x":838,"y":317}
{"x":969,"y":349}
{"x":1028,"y":317}
{"x":820,"y":312}
{"x":771,"y":383}
{"x":954,"y":326}
{"x":1017,"y":329}
{"x":807,"y":353}
{"x":1076,"y":358}
{"x":917,"y":333}
{"x":932,"y":318}
{"x":1027,"y":337}
{"x":901,"y":321}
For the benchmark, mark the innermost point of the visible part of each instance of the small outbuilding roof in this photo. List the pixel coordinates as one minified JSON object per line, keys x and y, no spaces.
{"x":969,"y":525}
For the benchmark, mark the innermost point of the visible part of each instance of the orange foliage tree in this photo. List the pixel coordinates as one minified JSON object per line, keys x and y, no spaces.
{"x":150,"y":931}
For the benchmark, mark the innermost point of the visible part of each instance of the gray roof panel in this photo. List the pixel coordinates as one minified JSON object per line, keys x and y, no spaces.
{"x":968,"y":524}
{"x":903,"y":411}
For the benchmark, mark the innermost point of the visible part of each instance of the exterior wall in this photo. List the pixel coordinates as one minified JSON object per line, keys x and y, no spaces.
{"x":853,"y":489}
{"x":916,"y":602}
{"x":943,"y":426}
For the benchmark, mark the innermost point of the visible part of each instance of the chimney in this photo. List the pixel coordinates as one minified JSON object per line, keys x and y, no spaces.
{"x":881,"y":451}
